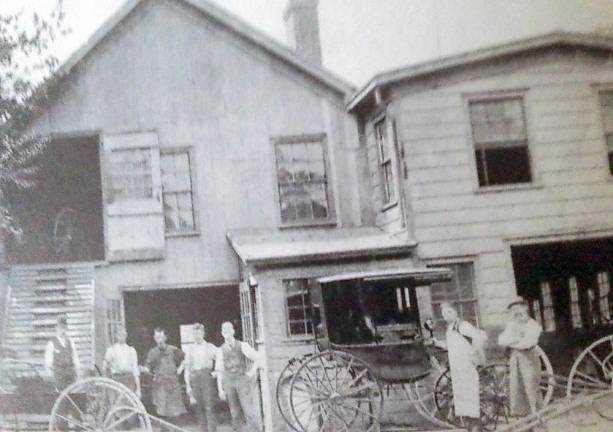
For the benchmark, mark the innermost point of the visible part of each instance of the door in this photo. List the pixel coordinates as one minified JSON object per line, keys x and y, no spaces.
{"x":133,"y":197}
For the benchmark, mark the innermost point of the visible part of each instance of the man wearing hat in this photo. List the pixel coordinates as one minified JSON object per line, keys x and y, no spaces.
{"x":521,"y":335}
{"x":61,"y":357}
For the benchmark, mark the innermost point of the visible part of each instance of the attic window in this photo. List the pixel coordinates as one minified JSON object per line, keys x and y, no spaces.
{"x":501,"y":142}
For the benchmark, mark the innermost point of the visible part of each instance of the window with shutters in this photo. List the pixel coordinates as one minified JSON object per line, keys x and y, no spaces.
{"x":385,"y":149}
{"x":549,"y":318}
{"x":297,"y":306}
{"x":304,"y":194}
{"x":130,"y":174}
{"x":460,"y":290}
{"x":606,"y":105}
{"x":177,"y":191}
{"x":114,"y":318}
{"x":500,"y":141}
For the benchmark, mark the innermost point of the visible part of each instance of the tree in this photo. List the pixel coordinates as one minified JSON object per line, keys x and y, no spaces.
{"x":27,"y":65}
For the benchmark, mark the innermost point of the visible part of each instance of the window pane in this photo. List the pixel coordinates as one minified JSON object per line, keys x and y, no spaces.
{"x":498,"y":121}
{"x":507,"y":165}
{"x":302,"y":181}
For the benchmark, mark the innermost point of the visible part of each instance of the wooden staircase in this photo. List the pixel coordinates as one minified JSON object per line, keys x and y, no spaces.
{"x":38,"y":296}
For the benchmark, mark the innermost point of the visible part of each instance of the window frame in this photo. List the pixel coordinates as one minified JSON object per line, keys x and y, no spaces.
{"x":321,"y":138}
{"x":493,"y":96}
{"x":306,"y":304}
{"x":390,"y":199}
{"x":600,"y":89}
{"x":194,"y":190}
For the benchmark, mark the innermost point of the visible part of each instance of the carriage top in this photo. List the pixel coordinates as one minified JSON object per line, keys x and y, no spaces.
{"x":376,"y":316}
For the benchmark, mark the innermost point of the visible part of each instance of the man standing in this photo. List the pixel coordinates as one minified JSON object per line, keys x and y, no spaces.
{"x":199,"y":384}
{"x":61,"y":357}
{"x":121,"y":362}
{"x":235,"y":381}
{"x":162,"y":362}
{"x":521,"y":334}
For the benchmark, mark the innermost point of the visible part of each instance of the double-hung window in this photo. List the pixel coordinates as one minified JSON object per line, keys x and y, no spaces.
{"x":177,"y":191}
{"x":606,"y":105}
{"x":304,"y":197}
{"x":459,"y":290}
{"x":500,"y":141}
{"x":297,"y":304}
{"x":384,"y":149}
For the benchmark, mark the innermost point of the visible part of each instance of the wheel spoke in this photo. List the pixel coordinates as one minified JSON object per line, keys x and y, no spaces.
{"x":75,"y":405}
{"x":357,"y":409}
{"x":121,"y":420}
{"x":71,"y":421}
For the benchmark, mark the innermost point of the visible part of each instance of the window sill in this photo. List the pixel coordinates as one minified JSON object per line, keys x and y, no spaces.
{"x":388,"y":206}
{"x":308,"y":224}
{"x":508,"y":188}
{"x":298,"y":340}
{"x":182,"y":234}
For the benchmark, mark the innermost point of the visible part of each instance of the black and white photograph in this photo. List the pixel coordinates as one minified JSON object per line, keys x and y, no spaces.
{"x":306,"y":215}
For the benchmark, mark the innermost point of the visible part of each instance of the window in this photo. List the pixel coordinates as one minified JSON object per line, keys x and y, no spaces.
{"x":575,"y":309}
{"x":177,"y":192}
{"x":114,"y":318}
{"x":606,"y":104}
{"x":604,"y":290}
{"x":302,"y":180}
{"x":297,"y":305}
{"x":459,"y":290}
{"x":384,"y":148}
{"x":130,"y":174}
{"x":501,"y":143}
{"x":548,"y":312}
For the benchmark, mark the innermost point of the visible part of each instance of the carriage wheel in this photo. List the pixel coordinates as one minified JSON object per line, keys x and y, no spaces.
{"x":592,"y":372}
{"x":283,"y":387}
{"x":491,"y":398}
{"x":335,"y":391}
{"x":98,"y":404}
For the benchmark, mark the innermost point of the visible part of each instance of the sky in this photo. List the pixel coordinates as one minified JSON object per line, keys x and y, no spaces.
{"x":363,"y":37}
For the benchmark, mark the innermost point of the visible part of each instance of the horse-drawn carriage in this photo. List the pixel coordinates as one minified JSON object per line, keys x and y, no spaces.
{"x":370,"y":342}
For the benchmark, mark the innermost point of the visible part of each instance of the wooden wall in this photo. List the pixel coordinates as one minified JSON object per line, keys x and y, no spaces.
{"x":571,"y":195}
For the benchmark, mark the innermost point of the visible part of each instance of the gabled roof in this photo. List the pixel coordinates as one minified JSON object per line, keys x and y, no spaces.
{"x":270,"y":247}
{"x":229,"y":21}
{"x":406,"y":74}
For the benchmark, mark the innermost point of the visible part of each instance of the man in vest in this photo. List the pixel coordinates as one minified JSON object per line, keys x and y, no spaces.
{"x":61,"y":357}
{"x":235,"y":381}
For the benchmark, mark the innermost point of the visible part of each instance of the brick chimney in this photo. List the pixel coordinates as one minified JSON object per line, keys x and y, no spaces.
{"x":302,"y":25}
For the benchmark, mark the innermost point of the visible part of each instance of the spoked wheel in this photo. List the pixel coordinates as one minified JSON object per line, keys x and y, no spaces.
{"x":283,"y":390}
{"x":592,"y":372}
{"x":491,"y":398}
{"x":335,"y":391}
{"x":98,"y":404}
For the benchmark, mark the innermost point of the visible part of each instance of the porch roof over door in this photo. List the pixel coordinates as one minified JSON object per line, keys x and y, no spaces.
{"x":269,"y":247}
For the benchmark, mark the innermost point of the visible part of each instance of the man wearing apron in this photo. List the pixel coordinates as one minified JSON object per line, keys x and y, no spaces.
{"x":464,"y":357}
{"x":61,"y":357}
{"x":235,"y":382}
{"x":163,"y":361}
{"x":521,"y":335}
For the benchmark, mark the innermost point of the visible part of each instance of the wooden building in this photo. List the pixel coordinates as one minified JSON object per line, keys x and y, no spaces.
{"x":197,"y":172}
{"x":499,"y":164}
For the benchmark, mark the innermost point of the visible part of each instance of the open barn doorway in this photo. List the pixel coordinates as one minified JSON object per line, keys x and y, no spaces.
{"x":171,"y":309}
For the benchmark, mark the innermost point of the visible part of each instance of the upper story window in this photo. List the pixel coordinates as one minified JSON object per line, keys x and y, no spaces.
{"x":384,"y":147}
{"x":177,"y":191}
{"x":130,"y":174}
{"x":304,"y":197}
{"x":500,"y":140}
{"x":606,"y":104}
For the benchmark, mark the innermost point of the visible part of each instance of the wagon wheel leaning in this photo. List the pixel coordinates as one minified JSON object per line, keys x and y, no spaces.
{"x":283,"y":389}
{"x":592,"y":372}
{"x":98,"y":404}
{"x":335,"y":391}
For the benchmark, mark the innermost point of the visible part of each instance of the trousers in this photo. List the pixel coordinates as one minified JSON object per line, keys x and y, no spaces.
{"x":203,"y":386}
{"x":240,"y":393}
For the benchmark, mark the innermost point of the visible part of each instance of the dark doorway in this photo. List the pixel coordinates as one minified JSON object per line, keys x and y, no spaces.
{"x":568,"y":285}
{"x":61,"y":216}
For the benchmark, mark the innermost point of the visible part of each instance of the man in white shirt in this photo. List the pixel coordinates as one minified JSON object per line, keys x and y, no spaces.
{"x":121,"y":362}
{"x":521,"y":334}
{"x":199,"y":360}
{"x":235,"y":381}
{"x":61,"y":357}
